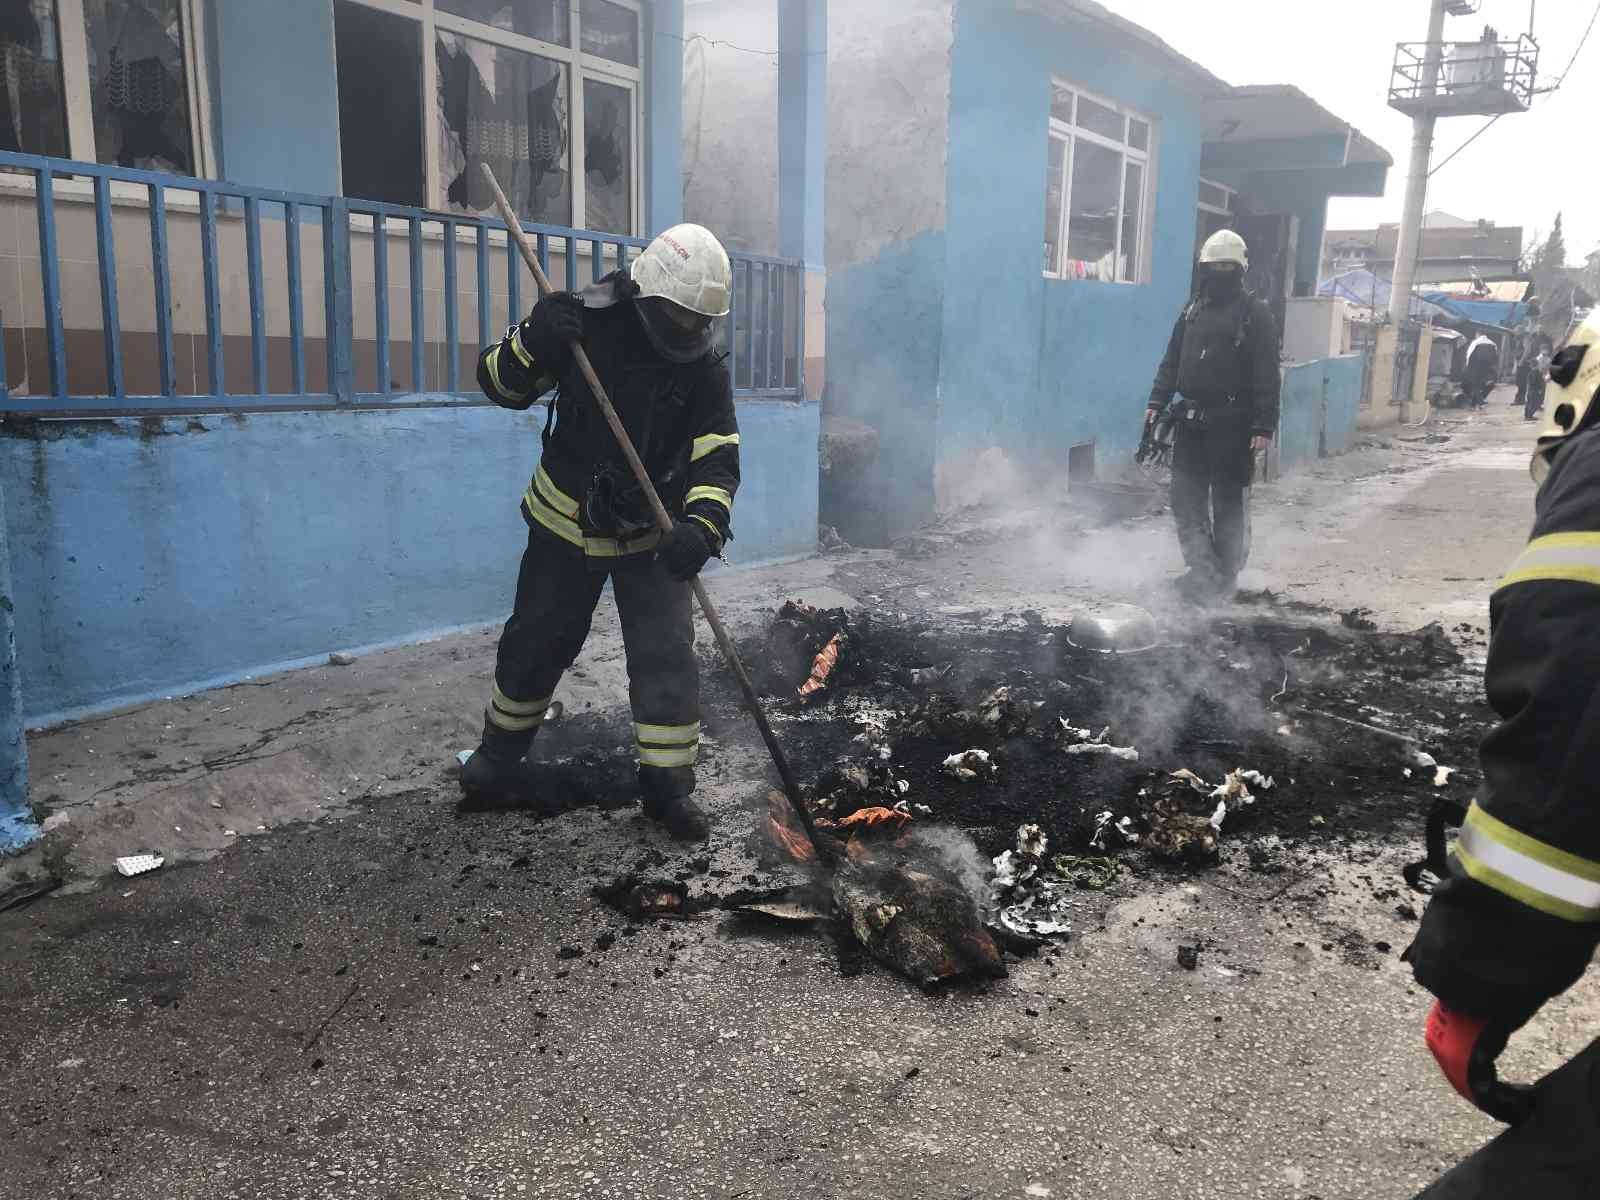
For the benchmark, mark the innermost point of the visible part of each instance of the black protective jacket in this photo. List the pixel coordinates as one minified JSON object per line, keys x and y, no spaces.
{"x":1223,"y":358}
{"x":680,"y":417}
{"x":1519,"y":917}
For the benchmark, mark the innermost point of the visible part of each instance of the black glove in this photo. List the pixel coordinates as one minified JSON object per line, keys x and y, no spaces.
{"x":1150,"y":447}
{"x":685,"y":550}
{"x":550,"y":329}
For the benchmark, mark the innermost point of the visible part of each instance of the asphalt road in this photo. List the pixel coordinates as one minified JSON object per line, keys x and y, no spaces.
{"x":391,"y":1001}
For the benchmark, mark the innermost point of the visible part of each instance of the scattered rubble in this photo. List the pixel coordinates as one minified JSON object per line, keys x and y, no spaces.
{"x":1108,"y":826}
{"x":1076,"y":740}
{"x":1176,"y":833}
{"x":829,"y":541}
{"x":791,"y":911}
{"x":970,"y":765}
{"x":1026,"y":896}
{"x":996,"y":716}
{"x":971,"y":725}
{"x":641,"y":897}
{"x":916,"y":922}
{"x":1185,"y":816}
{"x":1125,"y":753}
{"x":855,"y":783}
{"x":139,"y":864}
{"x":786,"y":658}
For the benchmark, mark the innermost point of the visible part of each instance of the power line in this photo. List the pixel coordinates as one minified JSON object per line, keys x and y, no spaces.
{"x":1560,"y":79}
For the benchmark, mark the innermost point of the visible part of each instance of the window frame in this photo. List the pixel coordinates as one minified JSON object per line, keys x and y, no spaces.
{"x":73,"y":31}
{"x":1224,"y":210}
{"x":1070,"y":133}
{"x":580,"y":66}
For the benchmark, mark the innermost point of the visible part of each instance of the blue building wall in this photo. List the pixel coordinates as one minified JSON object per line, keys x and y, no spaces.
{"x":17,"y":826}
{"x":169,"y":554}
{"x":275,"y":91}
{"x":1321,"y":401}
{"x":885,"y":323}
{"x":1034,"y":365}
{"x":663,"y":82}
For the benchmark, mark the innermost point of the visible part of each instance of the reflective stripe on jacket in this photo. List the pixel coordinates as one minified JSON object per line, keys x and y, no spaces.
{"x":680,"y":417}
{"x":1519,"y":917}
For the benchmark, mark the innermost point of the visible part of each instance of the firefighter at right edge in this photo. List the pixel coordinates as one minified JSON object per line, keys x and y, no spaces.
{"x":1222,"y":361}
{"x":649,"y":333}
{"x":1518,"y":917}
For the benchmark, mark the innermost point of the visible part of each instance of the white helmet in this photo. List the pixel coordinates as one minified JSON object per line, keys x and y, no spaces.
{"x":688,"y":266}
{"x":1225,"y":246}
{"x":1574,"y":378}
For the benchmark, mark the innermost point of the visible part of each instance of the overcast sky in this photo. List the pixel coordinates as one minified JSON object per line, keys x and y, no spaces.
{"x":1518,"y":173}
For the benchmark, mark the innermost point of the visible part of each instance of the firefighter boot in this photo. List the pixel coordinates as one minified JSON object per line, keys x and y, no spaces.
{"x":1199,"y":588}
{"x":668,"y":800}
{"x":495,"y":777}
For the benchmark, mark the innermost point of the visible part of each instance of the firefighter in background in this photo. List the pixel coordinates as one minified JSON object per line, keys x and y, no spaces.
{"x":1518,"y":918}
{"x":649,"y":332}
{"x":1222,"y":366}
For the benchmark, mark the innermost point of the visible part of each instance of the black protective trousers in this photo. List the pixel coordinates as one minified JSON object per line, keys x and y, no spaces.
{"x":1211,"y":469}
{"x":1554,"y":1154}
{"x":557,"y":591}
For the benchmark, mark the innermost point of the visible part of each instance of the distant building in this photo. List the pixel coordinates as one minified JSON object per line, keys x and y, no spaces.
{"x":1451,"y":249}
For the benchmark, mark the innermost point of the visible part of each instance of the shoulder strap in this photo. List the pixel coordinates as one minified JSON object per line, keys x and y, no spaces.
{"x":549,"y":419}
{"x":1247,"y":308}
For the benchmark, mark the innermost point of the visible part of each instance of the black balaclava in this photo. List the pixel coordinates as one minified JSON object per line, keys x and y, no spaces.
{"x":1222,"y":284}
{"x":674,"y":342}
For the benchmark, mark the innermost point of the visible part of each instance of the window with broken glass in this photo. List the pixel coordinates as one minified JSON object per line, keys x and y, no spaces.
{"x":546,"y":92}
{"x":1098,"y":183}
{"x":102,"y":81}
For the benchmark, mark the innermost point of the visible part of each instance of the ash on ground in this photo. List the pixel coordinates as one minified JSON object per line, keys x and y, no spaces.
{"x":1276,"y":724}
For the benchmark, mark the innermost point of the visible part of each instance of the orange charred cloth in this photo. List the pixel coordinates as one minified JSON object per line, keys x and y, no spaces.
{"x":823,"y":666}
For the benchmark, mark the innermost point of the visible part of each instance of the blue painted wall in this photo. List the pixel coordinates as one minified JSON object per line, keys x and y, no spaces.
{"x":158,"y":556}
{"x":1034,"y":365}
{"x":802,"y":129}
{"x":276,"y":93}
{"x":885,"y":320}
{"x":663,"y":83}
{"x":775,"y":514}
{"x":1344,"y":401}
{"x":17,"y":827}
{"x":1321,"y":403}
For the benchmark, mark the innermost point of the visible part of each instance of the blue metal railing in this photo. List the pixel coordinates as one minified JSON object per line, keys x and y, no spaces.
{"x":763,"y":335}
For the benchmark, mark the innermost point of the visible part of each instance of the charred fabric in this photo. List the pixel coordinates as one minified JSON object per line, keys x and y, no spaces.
{"x":970,"y":778}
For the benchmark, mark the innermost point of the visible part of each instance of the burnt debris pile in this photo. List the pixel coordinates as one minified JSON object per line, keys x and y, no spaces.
{"x":1247,"y":723}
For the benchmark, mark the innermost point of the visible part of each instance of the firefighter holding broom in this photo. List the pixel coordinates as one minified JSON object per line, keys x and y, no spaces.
{"x":649,"y":331}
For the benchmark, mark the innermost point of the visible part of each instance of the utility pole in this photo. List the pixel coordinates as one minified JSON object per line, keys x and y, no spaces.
{"x":1422,"y":123}
{"x":1490,"y":77}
